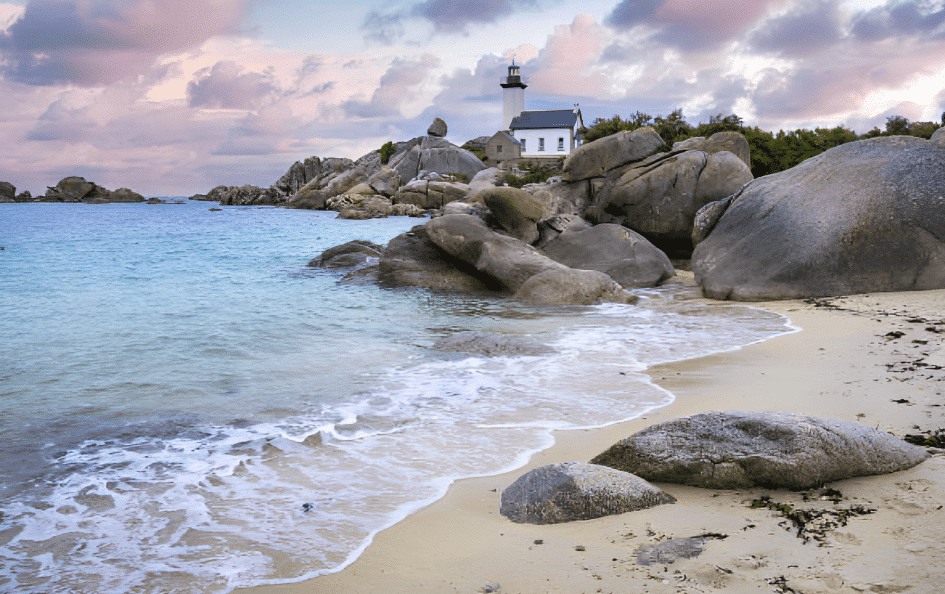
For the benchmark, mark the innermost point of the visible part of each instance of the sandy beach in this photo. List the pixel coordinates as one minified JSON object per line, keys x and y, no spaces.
{"x":875,"y":359}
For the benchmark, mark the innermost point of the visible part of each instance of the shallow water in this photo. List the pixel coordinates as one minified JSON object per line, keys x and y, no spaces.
{"x":186,"y":407}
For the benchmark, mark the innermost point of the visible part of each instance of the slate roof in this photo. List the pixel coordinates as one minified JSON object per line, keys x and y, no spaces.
{"x":510,"y":137}
{"x":553,"y":118}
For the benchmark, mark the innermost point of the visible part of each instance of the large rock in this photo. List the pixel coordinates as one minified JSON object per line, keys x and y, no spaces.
{"x":430,"y":194}
{"x":510,"y":261}
{"x":7,"y":192}
{"x":864,"y":216}
{"x":299,"y":174}
{"x":385,"y":182}
{"x":247,"y":195}
{"x":360,"y":206}
{"x":70,"y":189}
{"x":733,"y":142}
{"x":412,"y":260}
{"x":569,"y":286}
{"x":437,"y":128}
{"x":774,"y":450}
{"x":77,"y":189}
{"x":347,"y":255}
{"x":561,"y":197}
{"x":326,"y":178}
{"x":573,"y":491}
{"x":441,"y":156}
{"x":659,"y":197}
{"x":484,"y":180}
{"x":622,"y":254}
{"x":938,"y":137}
{"x":515,"y":211}
{"x":597,"y":158}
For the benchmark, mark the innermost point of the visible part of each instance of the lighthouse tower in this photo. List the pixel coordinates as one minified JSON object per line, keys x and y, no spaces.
{"x":513,"y":95}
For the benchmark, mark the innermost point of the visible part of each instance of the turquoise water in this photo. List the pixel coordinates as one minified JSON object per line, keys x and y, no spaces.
{"x":186,"y":407}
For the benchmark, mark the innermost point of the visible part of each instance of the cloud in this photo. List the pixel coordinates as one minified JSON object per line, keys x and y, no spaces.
{"x":800,"y":33}
{"x":565,"y":65}
{"x":896,"y":19}
{"x":384,"y":28}
{"x":690,"y":24}
{"x":397,"y":86}
{"x":630,"y":13}
{"x":98,"y":42}
{"x":226,"y":86}
{"x":452,"y":16}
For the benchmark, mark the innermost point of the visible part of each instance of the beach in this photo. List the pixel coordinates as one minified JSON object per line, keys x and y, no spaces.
{"x":874,"y":359}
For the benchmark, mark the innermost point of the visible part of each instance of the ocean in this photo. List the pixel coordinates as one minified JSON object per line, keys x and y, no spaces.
{"x":186,"y":407}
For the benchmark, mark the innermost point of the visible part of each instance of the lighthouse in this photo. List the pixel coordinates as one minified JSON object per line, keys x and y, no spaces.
{"x":513,"y":90}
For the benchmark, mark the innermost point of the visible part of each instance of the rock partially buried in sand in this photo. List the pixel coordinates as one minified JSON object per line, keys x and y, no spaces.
{"x":490,"y":345}
{"x":577,"y":491}
{"x":774,"y":450}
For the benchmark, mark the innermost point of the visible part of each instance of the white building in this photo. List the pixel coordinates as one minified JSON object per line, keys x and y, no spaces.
{"x":543,"y":133}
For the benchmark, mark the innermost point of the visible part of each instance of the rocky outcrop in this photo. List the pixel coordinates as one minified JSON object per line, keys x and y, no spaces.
{"x":412,"y":260}
{"x":437,"y":128}
{"x":861,"y":217}
{"x":299,"y":174}
{"x":515,"y":211}
{"x":311,"y":183}
{"x":24,"y":196}
{"x":659,"y":196}
{"x":7,"y":192}
{"x":733,"y":142}
{"x":77,"y":189}
{"x":600,"y":157}
{"x":326,"y":178}
{"x":427,"y":194}
{"x":774,"y":450}
{"x":508,"y":260}
{"x":573,"y":491}
{"x":624,"y":255}
{"x":247,"y":195}
{"x":513,"y":264}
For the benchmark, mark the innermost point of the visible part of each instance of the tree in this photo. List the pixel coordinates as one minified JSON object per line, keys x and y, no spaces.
{"x":673,"y":127}
{"x":897,"y":126}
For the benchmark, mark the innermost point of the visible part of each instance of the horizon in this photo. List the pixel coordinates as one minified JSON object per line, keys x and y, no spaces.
{"x":173,"y":98}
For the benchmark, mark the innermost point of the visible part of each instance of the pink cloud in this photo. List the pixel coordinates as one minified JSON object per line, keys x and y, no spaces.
{"x":564,"y":62}
{"x":99,"y":42}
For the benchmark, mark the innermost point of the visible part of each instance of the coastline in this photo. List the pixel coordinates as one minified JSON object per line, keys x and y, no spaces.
{"x":843,"y":364}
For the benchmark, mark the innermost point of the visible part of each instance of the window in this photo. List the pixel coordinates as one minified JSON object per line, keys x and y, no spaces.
{"x":498,"y":149}
{"x":541,"y":144}
{"x":523,"y":145}
{"x":561,"y":144}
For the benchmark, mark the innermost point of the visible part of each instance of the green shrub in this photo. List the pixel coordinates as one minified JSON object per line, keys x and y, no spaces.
{"x":387,"y":150}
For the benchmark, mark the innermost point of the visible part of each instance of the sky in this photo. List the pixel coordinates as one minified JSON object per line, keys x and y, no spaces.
{"x":175,"y":97}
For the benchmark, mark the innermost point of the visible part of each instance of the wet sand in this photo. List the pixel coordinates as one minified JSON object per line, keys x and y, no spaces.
{"x":849,"y":362}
